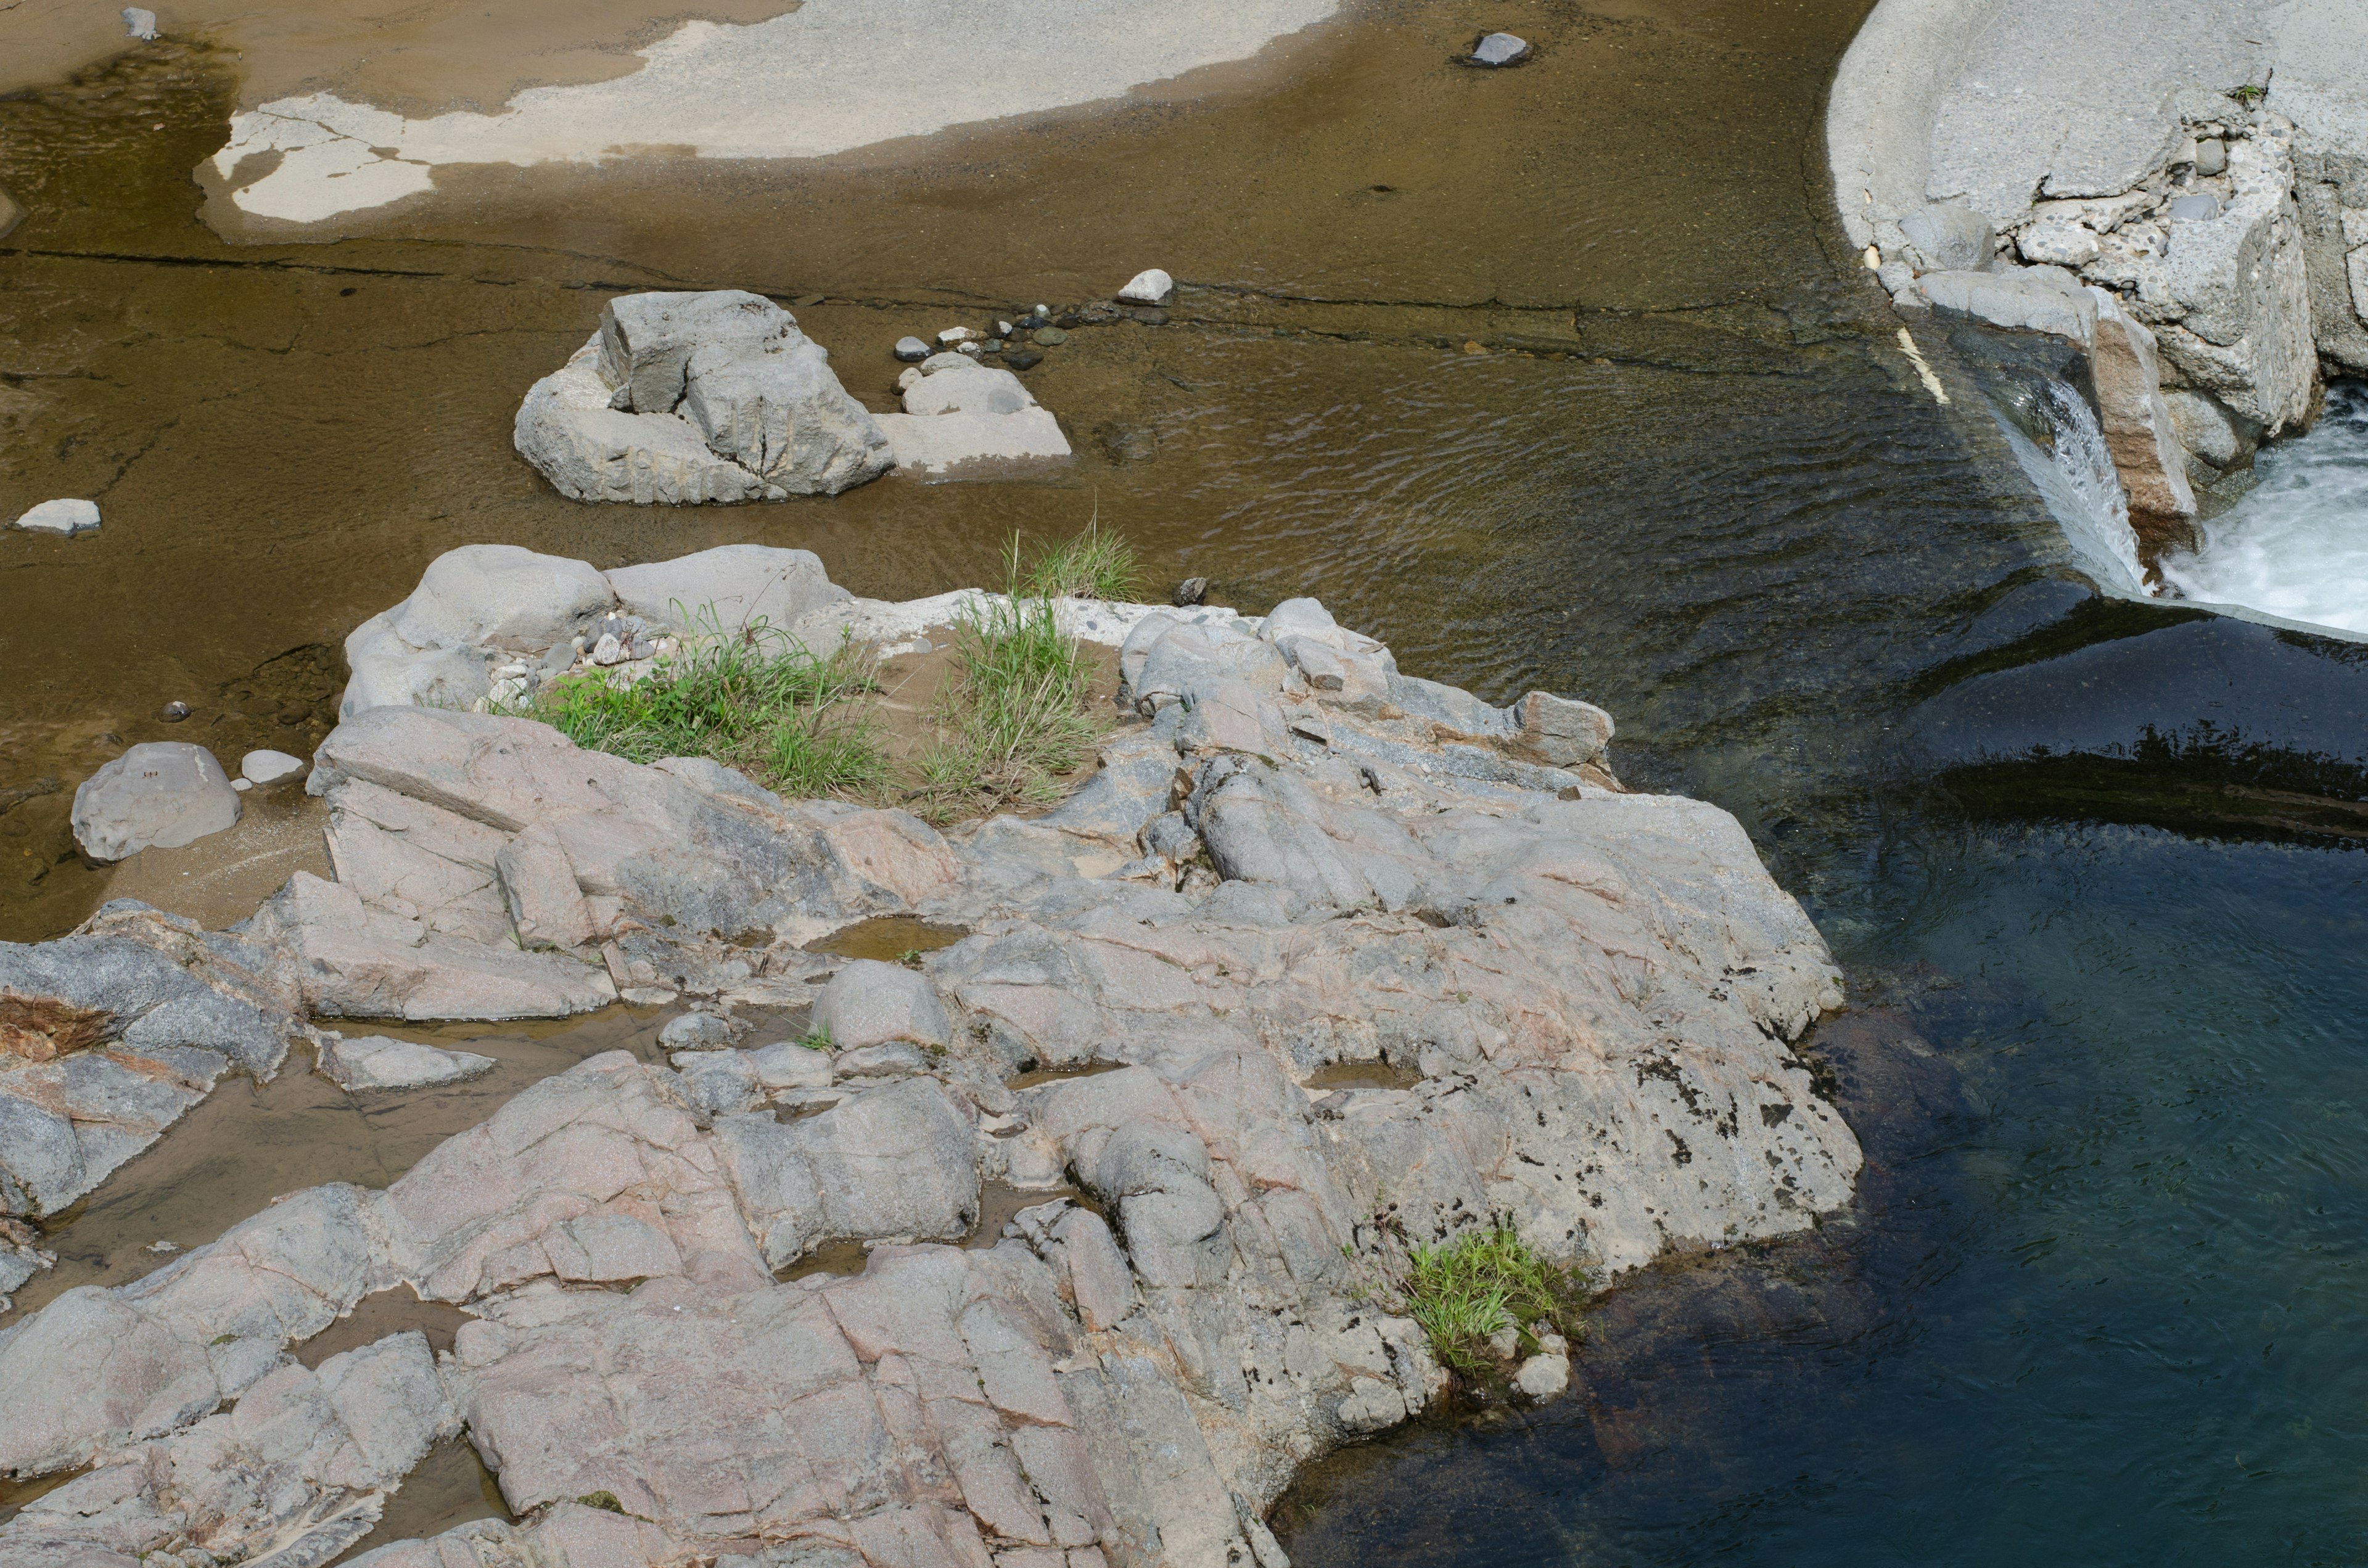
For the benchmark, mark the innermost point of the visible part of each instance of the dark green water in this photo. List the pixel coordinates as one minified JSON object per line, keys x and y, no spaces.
{"x":2095,"y":869}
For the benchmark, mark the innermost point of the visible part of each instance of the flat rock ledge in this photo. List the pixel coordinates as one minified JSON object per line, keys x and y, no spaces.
{"x":1321,"y":946}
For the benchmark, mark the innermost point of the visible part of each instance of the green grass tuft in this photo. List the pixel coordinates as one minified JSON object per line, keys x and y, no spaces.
{"x":1466,"y":1290}
{"x":1094,"y":565}
{"x":1013,"y":713}
{"x":815,"y":1039}
{"x":753,"y":699}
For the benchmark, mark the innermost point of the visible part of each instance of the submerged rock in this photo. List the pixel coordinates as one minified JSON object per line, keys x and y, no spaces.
{"x":159,"y":794}
{"x":378,"y":1062}
{"x":681,"y":398}
{"x":1499,"y":50}
{"x":62,"y":518}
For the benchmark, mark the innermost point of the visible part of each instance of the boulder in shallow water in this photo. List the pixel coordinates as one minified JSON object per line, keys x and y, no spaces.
{"x":1151,"y":286}
{"x":65,"y":517}
{"x":161,"y":794}
{"x":968,"y":420}
{"x":1499,"y":49}
{"x":381,"y":1061}
{"x":682,"y":398}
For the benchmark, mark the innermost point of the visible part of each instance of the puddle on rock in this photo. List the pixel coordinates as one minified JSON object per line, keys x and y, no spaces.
{"x":999,"y":1203}
{"x":447,"y":1488}
{"x":887,"y":937}
{"x":14,"y":1494}
{"x":1361,"y":1075}
{"x":831,"y":1258}
{"x":375,"y":1317}
{"x":1028,"y":1080}
{"x":248,"y":1144}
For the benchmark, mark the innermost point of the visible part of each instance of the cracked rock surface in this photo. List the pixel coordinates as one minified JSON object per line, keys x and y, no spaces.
{"x":1560,"y":1005}
{"x":682,"y":398}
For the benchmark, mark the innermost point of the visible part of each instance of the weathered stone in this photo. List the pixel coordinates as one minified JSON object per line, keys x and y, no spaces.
{"x":871,"y":1003}
{"x":380,"y":1061}
{"x":890,"y":1163}
{"x":1562,"y":730}
{"x":65,"y":518}
{"x":912,"y":349}
{"x":1151,"y":286}
{"x":725,"y":590}
{"x":269,"y":766}
{"x":682,"y":398}
{"x":1544,"y":1377}
{"x":2138,"y":427}
{"x":159,"y":794}
{"x":2207,"y":429}
{"x":2031,"y":299}
{"x":1949,"y":237}
{"x":1499,"y":49}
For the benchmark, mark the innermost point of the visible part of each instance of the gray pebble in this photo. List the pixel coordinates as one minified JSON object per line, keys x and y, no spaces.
{"x":912,"y":350}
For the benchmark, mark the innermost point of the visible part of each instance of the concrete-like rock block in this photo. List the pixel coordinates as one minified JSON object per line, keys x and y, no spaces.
{"x":2031,"y":299}
{"x":964,"y":445}
{"x":160,"y":794}
{"x":1950,"y":237}
{"x":869,"y":1003}
{"x":381,"y":1061}
{"x":63,"y":517}
{"x":974,"y":389}
{"x":727,"y":590}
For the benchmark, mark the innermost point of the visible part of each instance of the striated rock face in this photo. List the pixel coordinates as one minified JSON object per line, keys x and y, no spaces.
{"x":682,"y":398}
{"x":109,"y":1036}
{"x":1322,"y":954}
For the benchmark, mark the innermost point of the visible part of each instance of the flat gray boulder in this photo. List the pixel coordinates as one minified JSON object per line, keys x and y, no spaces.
{"x":727,"y":588}
{"x":160,"y":794}
{"x":381,"y":1061}
{"x":966,"y":420}
{"x":683,"y":398}
{"x":472,"y":606}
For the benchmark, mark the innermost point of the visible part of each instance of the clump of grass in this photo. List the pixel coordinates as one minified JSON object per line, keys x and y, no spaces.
{"x":1012,"y":715}
{"x":815,"y":1039}
{"x":1094,"y":565}
{"x":1466,"y":1291}
{"x":754,"y":699}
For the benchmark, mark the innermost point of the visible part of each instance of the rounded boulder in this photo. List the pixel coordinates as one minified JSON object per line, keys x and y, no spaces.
{"x":160,"y":795}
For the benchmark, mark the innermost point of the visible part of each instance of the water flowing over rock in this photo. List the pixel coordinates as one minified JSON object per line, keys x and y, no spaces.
{"x":1574,"y":1001}
{"x":686,"y":398}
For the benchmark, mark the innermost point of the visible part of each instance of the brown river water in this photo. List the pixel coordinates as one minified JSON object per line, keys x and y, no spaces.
{"x":1555,"y":376}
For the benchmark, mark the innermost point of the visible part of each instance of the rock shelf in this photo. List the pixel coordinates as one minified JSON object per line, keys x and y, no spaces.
{"x":1573,"y":1007}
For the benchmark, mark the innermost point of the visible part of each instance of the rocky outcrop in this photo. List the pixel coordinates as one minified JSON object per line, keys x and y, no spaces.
{"x":693,"y":397}
{"x":2203,"y":161}
{"x":109,"y":1036}
{"x":486,"y":613}
{"x":1324,"y":958}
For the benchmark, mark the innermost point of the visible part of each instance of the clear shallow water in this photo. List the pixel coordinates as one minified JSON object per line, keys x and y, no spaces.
{"x":2297,"y":545}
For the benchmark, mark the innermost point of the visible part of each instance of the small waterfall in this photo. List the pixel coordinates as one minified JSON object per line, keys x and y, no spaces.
{"x":2297,"y":545}
{"x":2076,"y":477}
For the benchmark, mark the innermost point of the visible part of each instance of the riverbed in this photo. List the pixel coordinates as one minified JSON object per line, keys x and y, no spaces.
{"x":1557,"y":377}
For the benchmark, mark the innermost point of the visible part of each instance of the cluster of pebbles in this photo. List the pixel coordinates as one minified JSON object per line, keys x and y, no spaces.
{"x":1019,"y":338}
{"x":622,"y":648}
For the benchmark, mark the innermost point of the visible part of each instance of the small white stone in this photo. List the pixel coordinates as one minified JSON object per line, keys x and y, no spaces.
{"x":1500,"y":49}
{"x":607,"y":651}
{"x":1149,"y":286}
{"x":65,"y":517}
{"x":242,"y":785}
{"x":1544,"y":1377}
{"x":959,"y":335}
{"x":971,"y":348}
{"x":139,"y":23}
{"x":269,"y":766}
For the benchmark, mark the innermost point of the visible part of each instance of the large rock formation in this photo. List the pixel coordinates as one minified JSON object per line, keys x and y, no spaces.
{"x":685,"y":398}
{"x":1323,"y":959}
{"x":2204,"y":161}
